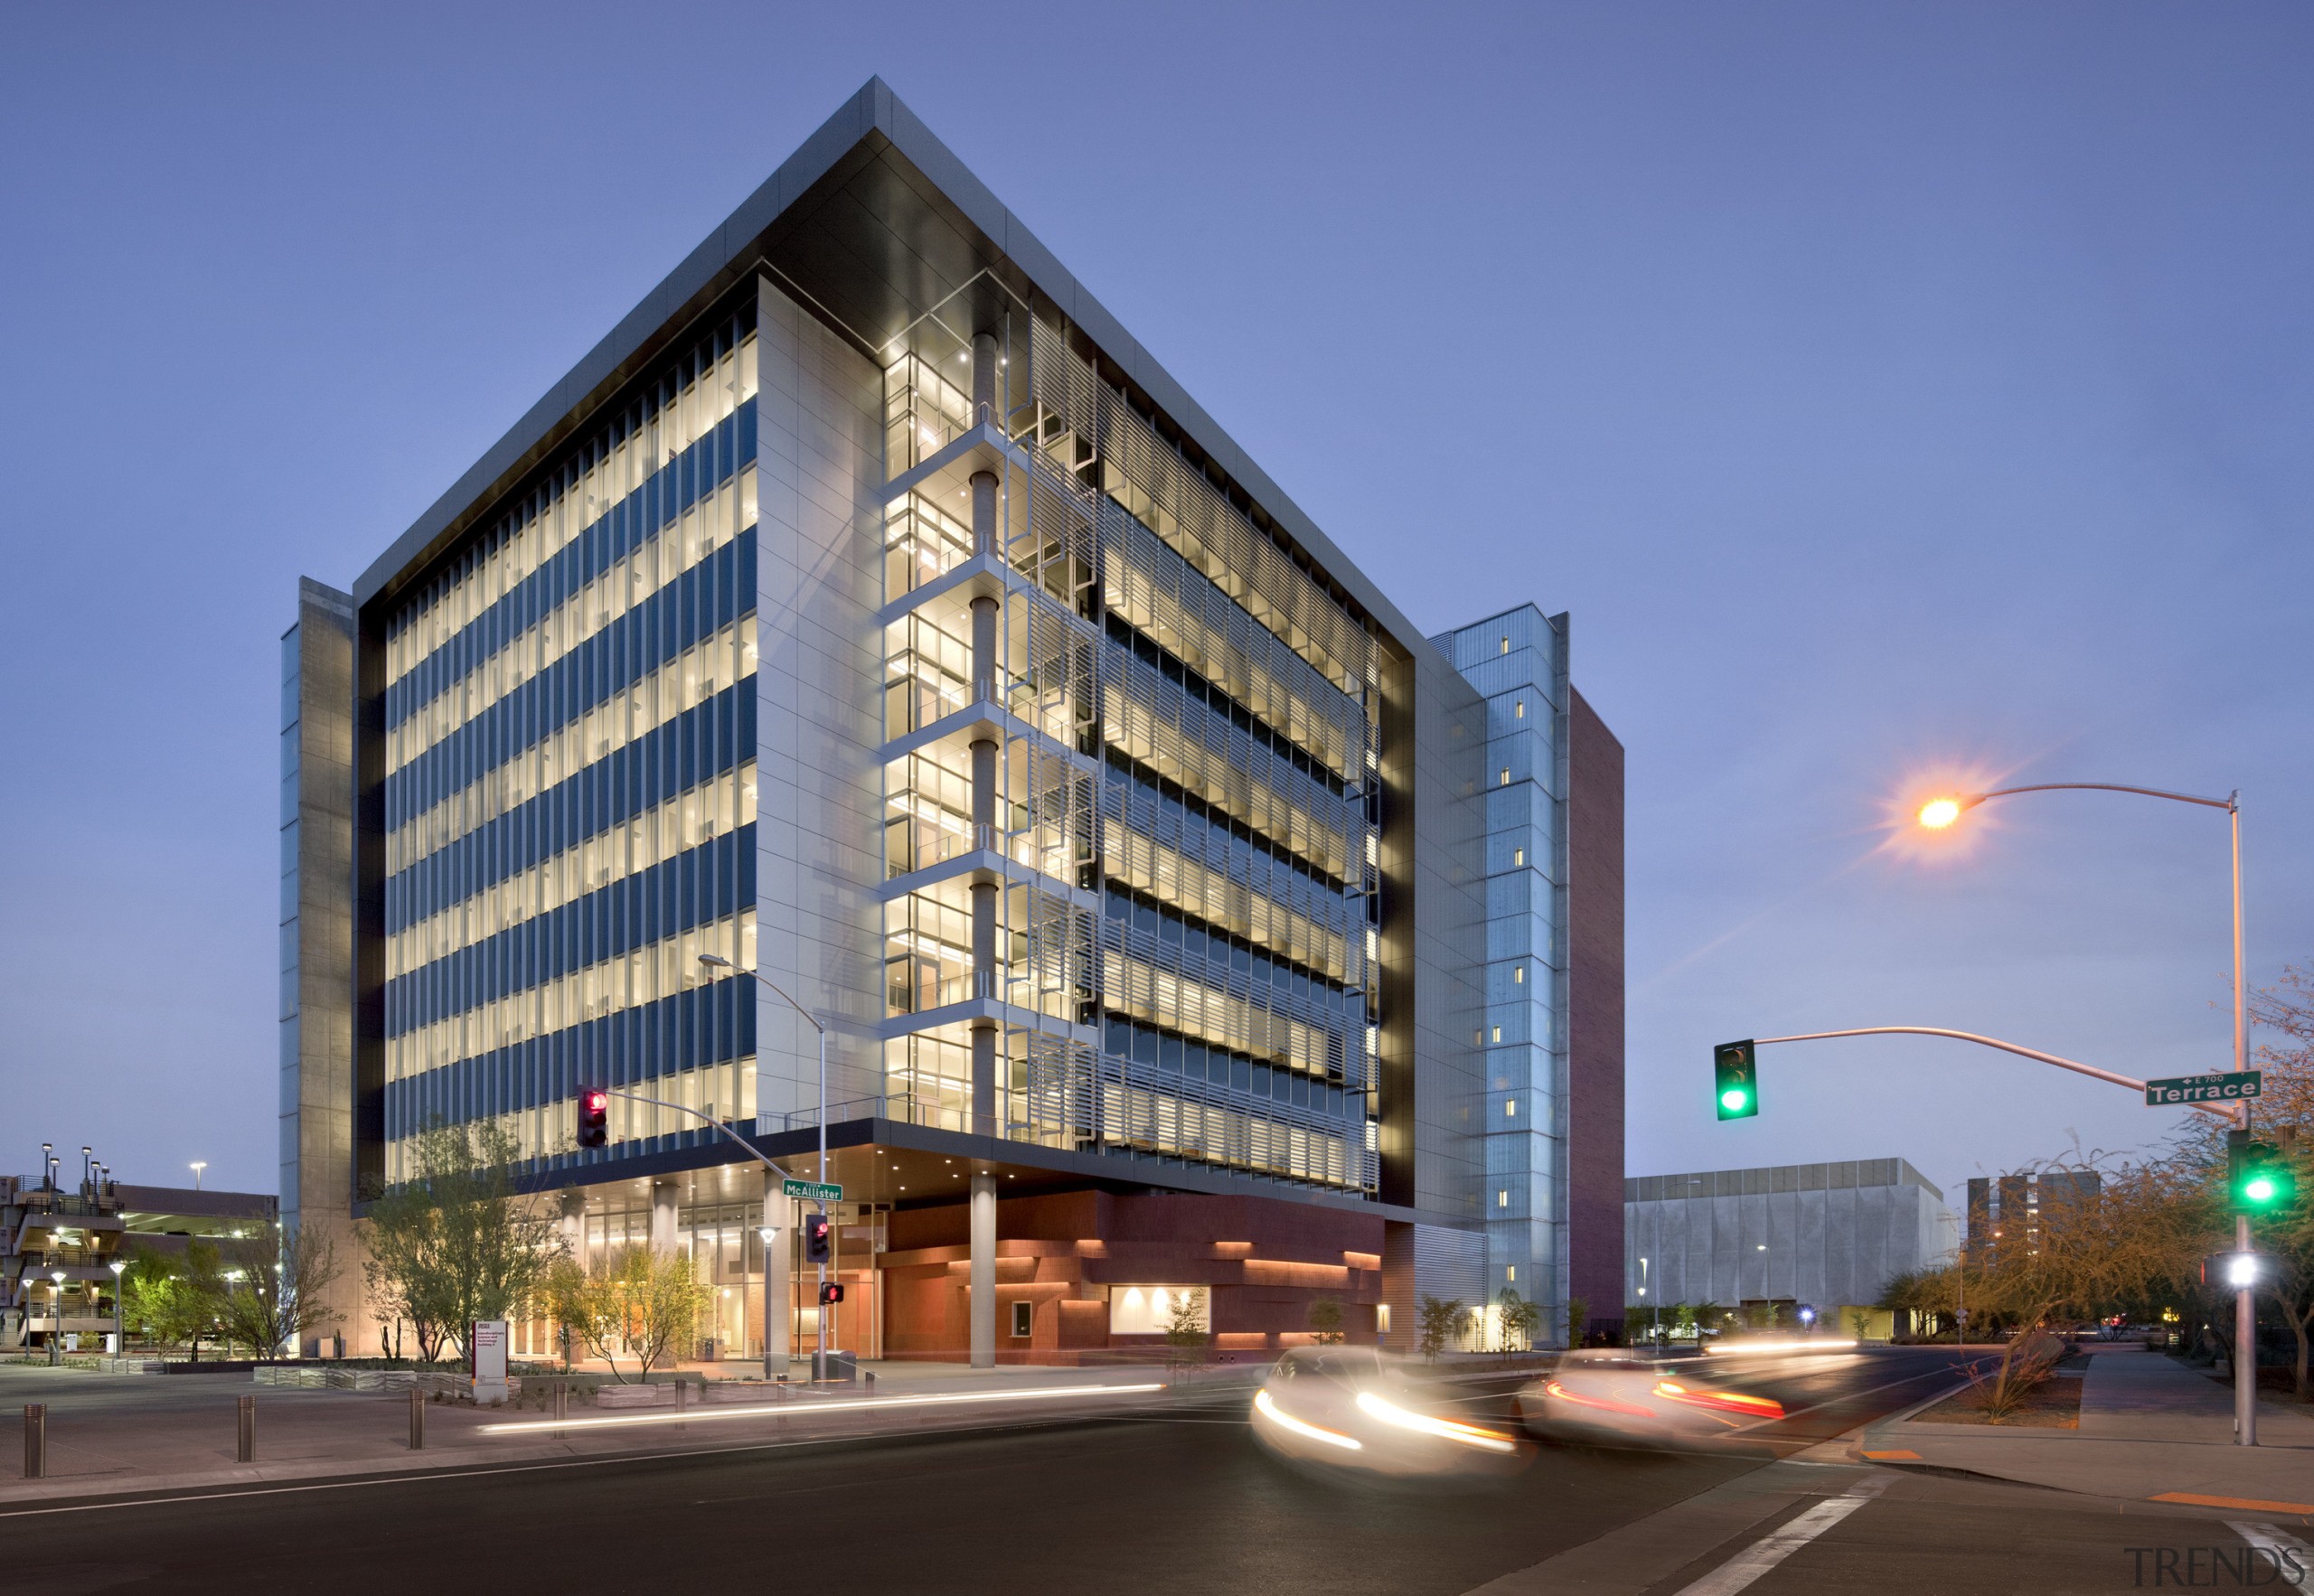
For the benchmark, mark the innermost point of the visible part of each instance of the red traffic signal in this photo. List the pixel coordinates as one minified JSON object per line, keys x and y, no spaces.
{"x":832,"y":1292}
{"x":594,"y":1117}
{"x":818,"y":1239}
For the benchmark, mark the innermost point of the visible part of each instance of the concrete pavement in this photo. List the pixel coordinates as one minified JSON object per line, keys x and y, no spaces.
{"x":112,"y":1435}
{"x":2151,"y":1430}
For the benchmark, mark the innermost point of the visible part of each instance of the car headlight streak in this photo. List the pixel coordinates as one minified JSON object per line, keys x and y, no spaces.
{"x":1390,"y":1413}
{"x":1278,"y":1416}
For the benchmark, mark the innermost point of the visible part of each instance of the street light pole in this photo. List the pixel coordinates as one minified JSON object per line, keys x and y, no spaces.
{"x":119,"y":1328}
{"x":1940,"y":812}
{"x":198,"y":1166}
{"x":820,"y":1311}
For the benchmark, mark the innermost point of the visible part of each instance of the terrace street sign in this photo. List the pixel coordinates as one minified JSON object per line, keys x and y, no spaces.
{"x":2223,"y":1087}
{"x":812,"y":1192}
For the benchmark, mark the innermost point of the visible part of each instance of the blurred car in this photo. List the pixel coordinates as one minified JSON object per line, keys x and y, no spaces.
{"x":1351,"y":1407}
{"x":1608,"y":1393}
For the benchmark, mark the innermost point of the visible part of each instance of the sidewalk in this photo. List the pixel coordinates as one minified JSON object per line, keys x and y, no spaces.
{"x":111,"y":1435}
{"x":2152,"y":1429}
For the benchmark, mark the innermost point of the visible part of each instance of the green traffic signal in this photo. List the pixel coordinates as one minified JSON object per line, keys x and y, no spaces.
{"x":2260,"y":1179}
{"x":1735,"y":1080}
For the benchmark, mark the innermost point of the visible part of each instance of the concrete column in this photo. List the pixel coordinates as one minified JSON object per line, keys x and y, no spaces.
{"x":983,"y":512}
{"x":777,"y":1298}
{"x":984,"y":1296}
{"x":985,"y":1063}
{"x":984,"y":380}
{"x":574,"y":1227}
{"x":984,"y":668}
{"x":662,"y":1217}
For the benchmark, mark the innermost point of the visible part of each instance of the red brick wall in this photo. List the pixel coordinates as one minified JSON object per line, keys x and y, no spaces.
{"x":1264,"y":1262}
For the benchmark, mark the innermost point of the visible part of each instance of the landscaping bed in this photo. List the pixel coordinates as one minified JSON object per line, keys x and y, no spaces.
{"x":2054,"y":1405}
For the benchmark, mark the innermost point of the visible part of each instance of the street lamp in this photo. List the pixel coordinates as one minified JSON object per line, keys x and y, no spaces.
{"x":56,"y":1334}
{"x":1939,"y":813}
{"x":119,"y":1330}
{"x":198,"y":1166}
{"x":820,"y":1318}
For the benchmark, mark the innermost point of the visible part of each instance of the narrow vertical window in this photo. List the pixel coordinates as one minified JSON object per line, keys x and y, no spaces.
{"x":1520,"y":711}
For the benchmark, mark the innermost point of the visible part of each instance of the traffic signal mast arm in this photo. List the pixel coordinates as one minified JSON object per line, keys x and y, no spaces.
{"x":2230,"y":1115}
{"x":704,"y":1119}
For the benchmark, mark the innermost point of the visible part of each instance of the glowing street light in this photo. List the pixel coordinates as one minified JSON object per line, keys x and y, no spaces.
{"x":1940,"y":813}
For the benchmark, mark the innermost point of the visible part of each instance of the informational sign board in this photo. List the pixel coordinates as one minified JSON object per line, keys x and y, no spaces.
{"x":811,"y":1191}
{"x":487,"y":1354}
{"x":2227,"y":1086}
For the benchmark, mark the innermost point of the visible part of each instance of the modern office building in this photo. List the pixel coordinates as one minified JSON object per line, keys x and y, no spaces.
{"x":2005,"y":1211}
{"x":871,"y":612}
{"x":1825,"y":1236}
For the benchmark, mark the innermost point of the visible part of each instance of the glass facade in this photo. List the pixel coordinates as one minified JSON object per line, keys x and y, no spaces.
{"x":1516,"y":660}
{"x":1178,"y":726}
{"x":569,"y":785}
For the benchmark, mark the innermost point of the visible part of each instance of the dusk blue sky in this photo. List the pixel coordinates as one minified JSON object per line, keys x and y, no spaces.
{"x":1889,"y":391}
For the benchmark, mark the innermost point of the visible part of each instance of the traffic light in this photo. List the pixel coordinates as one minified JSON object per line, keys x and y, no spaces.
{"x":831,"y":1292}
{"x":594,"y":1117}
{"x":1734,"y":1081}
{"x":817,"y":1236}
{"x":2258,"y":1178}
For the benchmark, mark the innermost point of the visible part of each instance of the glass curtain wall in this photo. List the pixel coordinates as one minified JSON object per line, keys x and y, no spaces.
{"x":1517,"y":661}
{"x":1187,"y":802}
{"x":571,"y":787}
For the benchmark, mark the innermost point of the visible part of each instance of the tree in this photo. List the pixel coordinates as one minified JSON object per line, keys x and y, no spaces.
{"x":1185,"y":1327}
{"x":166,"y":1300}
{"x":1439,"y":1323}
{"x":270,"y":1288}
{"x":1520,"y":1319}
{"x":631,"y":1300}
{"x":1860,"y":1322}
{"x":458,"y":1242}
{"x":1326,"y":1321}
{"x":1578,"y":1317}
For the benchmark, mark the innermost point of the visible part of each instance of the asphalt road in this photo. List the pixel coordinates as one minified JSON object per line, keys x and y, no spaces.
{"x":1178,"y":1499}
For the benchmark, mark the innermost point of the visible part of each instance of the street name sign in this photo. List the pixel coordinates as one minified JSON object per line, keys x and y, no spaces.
{"x":812,"y":1192}
{"x":2225,"y":1087}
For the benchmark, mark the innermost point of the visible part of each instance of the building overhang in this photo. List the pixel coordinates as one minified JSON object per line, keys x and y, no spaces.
{"x":904,"y":1165}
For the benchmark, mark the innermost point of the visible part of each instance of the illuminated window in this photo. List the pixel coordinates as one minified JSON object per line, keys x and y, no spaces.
{"x":1497,"y":1033}
{"x":1519,"y":857}
{"x":1521,"y":713}
{"x":1517,"y":975}
{"x":1502,"y":1199}
{"x":1506,"y":645}
{"x":1505,"y":775}
{"x":1478,"y":1039}
{"x":1509,"y":1271}
{"x":1511,"y":1108}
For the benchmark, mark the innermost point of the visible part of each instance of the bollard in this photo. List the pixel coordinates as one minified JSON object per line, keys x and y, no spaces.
{"x":416,"y":1419}
{"x":35,"y":1441}
{"x":246,"y":1442}
{"x":561,"y":1404}
{"x":679,"y":1401}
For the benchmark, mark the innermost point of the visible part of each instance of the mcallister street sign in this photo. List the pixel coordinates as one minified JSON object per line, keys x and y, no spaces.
{"x":811,"y":1192}
{"x":2219,"y":1088}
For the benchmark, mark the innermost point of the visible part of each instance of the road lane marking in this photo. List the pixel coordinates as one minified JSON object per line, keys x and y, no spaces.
{"x":2292,"y":1560}
{"x":1878,"y":1457}
{"x":2246,"y":1504}
{"x":1763,"y":1554}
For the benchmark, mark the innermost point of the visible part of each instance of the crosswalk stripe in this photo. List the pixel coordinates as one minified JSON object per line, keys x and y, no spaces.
{"x":1764,"y":1554}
